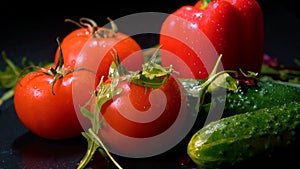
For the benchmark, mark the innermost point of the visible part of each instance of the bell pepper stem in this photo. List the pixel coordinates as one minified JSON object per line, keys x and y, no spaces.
{"x":205,"y":3}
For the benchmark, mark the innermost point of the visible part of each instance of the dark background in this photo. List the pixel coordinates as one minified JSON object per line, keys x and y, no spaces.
{"x":31,"y":30}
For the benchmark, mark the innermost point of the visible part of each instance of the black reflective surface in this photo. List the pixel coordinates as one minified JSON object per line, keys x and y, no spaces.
{"x":21,"y":149}
{"x":33,"y":36}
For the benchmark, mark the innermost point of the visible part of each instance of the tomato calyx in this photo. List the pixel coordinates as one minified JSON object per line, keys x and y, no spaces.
{"x":57,"y":71}
{"x":94,"y":29}
{"x":152,"y":75}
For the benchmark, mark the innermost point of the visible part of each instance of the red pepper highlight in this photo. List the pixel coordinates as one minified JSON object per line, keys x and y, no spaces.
{"x":234,"y":27}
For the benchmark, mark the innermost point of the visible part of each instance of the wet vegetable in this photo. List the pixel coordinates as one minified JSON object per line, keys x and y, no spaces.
{"x":234,"y":27}
{"x":91,"y":45}
{"x":264,"y":94}
{"x":43,"y":102}
{"x":231,"y":140}
{"x":261,"y":94}
{"x":129,"y":91}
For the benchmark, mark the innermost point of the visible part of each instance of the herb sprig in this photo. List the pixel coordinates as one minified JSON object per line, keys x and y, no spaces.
{"x":11,"y":73}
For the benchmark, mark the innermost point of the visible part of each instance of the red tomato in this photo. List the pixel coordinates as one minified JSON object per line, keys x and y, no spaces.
{"x":143,"y":113}
{"x":137,"y":98}
{"x":93,"y":47}
{"x":48,"y":115}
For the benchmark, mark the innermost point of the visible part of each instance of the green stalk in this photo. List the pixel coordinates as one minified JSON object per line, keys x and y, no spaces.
{"x":103,"y":93}
{"x":91,"y":149}
{"x":218,"y":78}
{"x":104,"y":148}
{"x":205,"y":3}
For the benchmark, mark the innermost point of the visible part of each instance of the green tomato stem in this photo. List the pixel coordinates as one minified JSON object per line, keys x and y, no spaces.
{"x":92,"y":147}
{"x":203,"y":89}
{"x":94,"y":135}
{"x":103,"y":93}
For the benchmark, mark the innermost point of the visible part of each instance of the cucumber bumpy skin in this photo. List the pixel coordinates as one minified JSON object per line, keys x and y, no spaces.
{"x":263,"y":95}
{"x":230,"y":140}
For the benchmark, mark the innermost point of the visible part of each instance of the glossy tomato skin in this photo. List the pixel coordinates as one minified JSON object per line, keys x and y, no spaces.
{"x":47,"y":115}
{"x":141,"y":113}
{"x":97,"y":52}
{"x":136,"y":98}
{"x":72,"y":44}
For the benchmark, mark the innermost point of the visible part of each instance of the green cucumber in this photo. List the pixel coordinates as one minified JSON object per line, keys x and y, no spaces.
{"x":231,"y":140}
{"x":263,"y":94}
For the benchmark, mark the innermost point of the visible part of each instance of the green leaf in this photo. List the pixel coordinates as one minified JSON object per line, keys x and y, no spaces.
{"x":86,"y":113}
{"x":215,"y":80}
{"x":7,"y":95}
{"x":224,"y":81}
{"x":153,"y":75}
{"x":11,"y":73}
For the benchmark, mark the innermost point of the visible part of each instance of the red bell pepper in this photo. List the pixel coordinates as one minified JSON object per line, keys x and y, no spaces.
{"x":234,"y":27}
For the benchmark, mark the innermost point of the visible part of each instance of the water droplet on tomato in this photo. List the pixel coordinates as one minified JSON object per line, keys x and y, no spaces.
{"x":37,"y":93}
